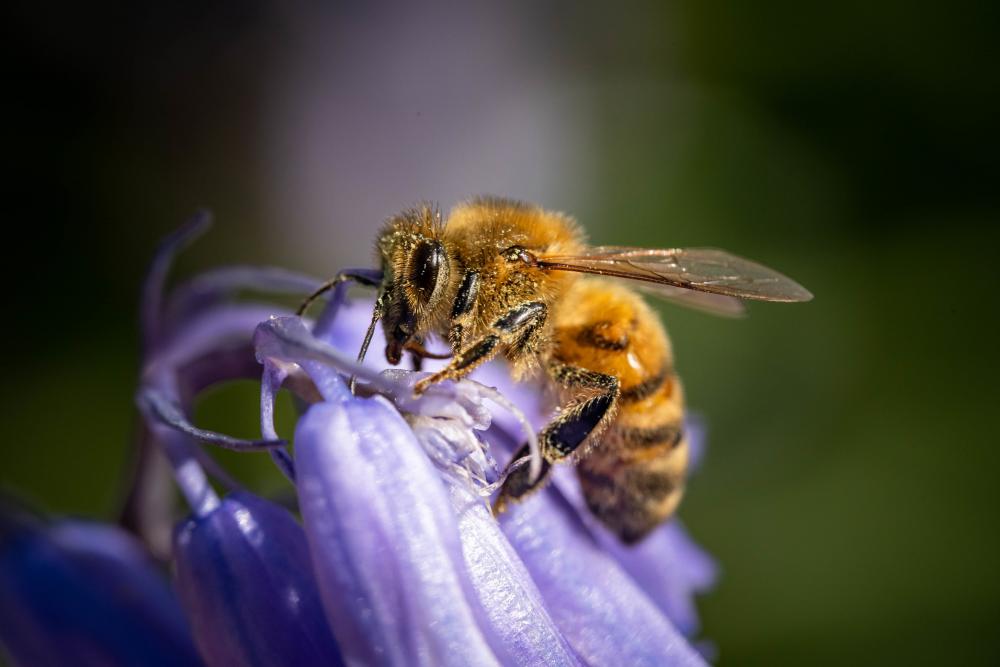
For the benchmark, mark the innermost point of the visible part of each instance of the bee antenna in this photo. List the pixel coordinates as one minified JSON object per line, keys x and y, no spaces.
{"x":377,"y":314}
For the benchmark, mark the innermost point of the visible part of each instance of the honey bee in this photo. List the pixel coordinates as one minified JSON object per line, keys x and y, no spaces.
{"x":504,"y":277}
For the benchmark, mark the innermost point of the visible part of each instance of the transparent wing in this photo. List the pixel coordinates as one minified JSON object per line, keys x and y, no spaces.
{"x":713,"y":304}
{"x":707,"y":270}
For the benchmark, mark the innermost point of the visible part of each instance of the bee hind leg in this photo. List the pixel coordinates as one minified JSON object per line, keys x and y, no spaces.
{"x":562,"y":437}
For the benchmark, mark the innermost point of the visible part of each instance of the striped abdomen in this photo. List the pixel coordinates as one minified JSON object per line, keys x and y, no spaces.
{"x":633,"y":472}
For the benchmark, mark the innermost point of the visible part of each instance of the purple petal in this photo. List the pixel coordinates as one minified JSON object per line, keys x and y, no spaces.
{"x":246,"y":582}
{"x":211,"y":331}
{"x":505,"y":603}
{"x":159,"y":409}
{"x":210,"y":335}
{"x":86,"y":594}
{"x":514,"y":605}
{"x":274,"y":375}
{"x":602,"y":612}
{"x":667,"y":565}
{"x":697,"y":435}
{"x":670,"y":568}
{"x":384,"y":541}
{"x":214,"y":346}
{"x":151,"y":306}
{"x":286,"y":339}
{"x":344,"y":324}
{"x":188,"y":473}
{"x":218,"y":285}
{"x":652,"y":637}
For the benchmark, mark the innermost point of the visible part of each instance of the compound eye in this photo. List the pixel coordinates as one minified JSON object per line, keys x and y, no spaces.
{"x":425,"y":265}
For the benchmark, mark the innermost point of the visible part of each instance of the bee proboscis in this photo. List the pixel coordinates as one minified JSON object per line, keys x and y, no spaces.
{"x":503,"y":277}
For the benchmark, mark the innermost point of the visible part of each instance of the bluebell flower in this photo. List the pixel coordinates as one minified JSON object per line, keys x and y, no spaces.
{"x":245,"y":580}
{"x":79,"y":593}
{"x":397,"y":559}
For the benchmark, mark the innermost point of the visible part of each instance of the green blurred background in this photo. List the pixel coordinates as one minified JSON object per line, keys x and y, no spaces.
{"x":849,"y":491}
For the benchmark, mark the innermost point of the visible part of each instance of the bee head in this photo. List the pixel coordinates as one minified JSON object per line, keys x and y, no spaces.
{"x":417,"y":269}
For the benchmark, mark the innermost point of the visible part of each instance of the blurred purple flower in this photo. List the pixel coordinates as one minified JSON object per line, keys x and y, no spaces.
{"x":77,"y":593}
{"x":245,"y":580}
{"x":398,"y":559}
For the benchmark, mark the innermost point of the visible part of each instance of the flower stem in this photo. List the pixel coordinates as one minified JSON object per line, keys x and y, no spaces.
{"x":190,"y":476}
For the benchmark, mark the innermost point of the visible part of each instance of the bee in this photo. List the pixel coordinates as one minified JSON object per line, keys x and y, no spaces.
{"x":500,"y":277}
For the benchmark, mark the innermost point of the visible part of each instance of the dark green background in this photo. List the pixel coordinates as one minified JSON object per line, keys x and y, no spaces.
{"x":850,"y":487}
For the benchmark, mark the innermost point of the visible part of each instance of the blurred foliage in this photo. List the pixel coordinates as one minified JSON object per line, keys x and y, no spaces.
{"x":850,"y":481}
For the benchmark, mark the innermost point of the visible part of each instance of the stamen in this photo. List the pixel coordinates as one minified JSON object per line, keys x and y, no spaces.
{"x":535,"y":455}
{"x":455,"y":449}
{"x":406,"y":379}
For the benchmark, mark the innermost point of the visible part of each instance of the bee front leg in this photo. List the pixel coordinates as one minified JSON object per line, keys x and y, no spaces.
{"x":562,"y":438}
{"x":509,"y":328}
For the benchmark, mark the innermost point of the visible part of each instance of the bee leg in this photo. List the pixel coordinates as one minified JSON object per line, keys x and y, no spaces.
{"x":366,"y":277}
{"x":508,"y":329}
{"x":416,"y":361}
{"x":564,"y":435}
